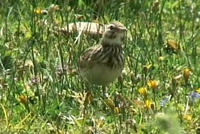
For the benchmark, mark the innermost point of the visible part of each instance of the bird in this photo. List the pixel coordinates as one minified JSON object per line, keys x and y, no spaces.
{"x":103,"y":63}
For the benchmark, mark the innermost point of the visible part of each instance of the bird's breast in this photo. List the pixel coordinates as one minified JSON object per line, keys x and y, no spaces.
{"x":101,"y":74}
{"x":103,"y":65}
{"x":112,"y":56}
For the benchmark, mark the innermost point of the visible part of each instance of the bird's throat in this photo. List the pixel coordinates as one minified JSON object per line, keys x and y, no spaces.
{"x":111,"y":42}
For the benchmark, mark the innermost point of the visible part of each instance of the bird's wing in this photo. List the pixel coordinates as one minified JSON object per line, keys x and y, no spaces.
{"x":89,"y":57}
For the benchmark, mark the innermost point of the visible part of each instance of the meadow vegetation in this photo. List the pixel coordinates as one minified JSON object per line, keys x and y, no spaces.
{"x":41,"y":91}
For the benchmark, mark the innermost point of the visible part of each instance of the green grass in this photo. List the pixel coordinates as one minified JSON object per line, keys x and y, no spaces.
{"x":40,"y":91}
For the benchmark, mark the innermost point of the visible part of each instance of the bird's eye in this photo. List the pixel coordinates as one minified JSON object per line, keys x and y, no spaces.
{"x":111,"y":27}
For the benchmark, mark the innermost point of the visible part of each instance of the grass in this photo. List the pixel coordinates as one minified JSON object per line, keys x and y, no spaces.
{"x":40,"y":91}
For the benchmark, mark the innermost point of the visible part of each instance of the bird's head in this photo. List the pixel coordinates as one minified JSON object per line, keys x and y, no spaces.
{"x":114,"y":34}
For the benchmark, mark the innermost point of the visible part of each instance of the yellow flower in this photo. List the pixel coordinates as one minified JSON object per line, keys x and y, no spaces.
{"x":100,"y":122}
{"x":187,"y":117}
{"x":198,"y":90}
{"x":147,"y":66}
{"x":110,"y":103}
{"x":142,"y":91}
{"x":148,"y":104}
{"x":116,"y":110}
{"x":23,"y":99}
{"x":38,"y":11}
{"x":153,"y":84}
{"x":173,"y":45}
{"x":186,"y":73}
{"x":161,"y":58}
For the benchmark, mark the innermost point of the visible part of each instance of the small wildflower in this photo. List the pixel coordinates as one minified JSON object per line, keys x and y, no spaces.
{"x":23,"y":99}
{"x":186,"y":73}
{"x":147,"y":66}
{"x":101,"y":121}
{"x":187,"y":117}
{"x":195,"y":96}
{"x":142,"y":91}
{"x":38,"y":11}
{"x":198,"y":90}
{"x":161,"y":58}
{"x":165,"y":100}
{"x":110,"y":103}
{"x":173,"y":45}
{"x":35,"y":81}
{"x":153,"y":84}
{"x":116,"y":110}
{"x":148,"y":104}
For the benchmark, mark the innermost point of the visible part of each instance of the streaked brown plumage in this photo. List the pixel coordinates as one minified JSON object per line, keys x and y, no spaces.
{"x":103,"y":63}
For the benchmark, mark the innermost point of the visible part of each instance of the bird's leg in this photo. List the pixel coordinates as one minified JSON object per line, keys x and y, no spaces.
{"x":104,"y":90}
{"x":105,"y":95}
{"x":88,"y":97}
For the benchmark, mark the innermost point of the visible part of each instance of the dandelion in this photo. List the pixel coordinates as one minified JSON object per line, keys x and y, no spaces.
{"x":153,"y":84}
{"x":161,"y":58}
{"x":116,"y":110}
{"x":142,"y":91}
{"x":110,"y":103}
{"x":149,"y":104}
{"x":187,"y":117}
{"x":23,"y":99}
{"x":186,"y":73}
{"x":38,"y":11}
{"x":173,"y":45}
{"x":198,"y":90}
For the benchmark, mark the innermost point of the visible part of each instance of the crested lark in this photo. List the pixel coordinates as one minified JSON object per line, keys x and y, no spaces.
{"x":102,"y":64}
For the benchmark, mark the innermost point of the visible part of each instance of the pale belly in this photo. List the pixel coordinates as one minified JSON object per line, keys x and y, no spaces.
{"x":101,"y":74}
